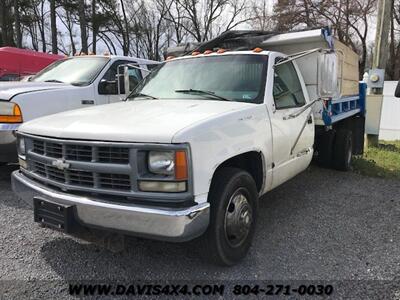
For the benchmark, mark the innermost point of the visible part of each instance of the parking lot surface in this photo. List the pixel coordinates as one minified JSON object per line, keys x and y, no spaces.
{"x":322,"y":225}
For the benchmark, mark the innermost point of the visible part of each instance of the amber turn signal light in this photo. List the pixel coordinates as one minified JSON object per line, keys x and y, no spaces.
{"x":181,"y":165}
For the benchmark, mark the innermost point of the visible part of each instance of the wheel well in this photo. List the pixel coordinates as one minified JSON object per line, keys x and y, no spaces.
{"x":251,"y":162}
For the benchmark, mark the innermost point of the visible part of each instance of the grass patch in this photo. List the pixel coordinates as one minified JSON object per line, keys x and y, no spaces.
{"x":382,"y":161}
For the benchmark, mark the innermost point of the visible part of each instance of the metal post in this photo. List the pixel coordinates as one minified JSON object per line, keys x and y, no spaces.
{"x":379,"y":62}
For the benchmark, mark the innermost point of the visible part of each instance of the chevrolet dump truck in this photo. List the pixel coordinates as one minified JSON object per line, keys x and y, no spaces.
{"x":198,"y":141}
{"x":70,"y":83}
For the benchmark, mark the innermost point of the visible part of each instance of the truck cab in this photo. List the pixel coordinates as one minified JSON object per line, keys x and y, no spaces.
{"x":195,"y":145}
{"x":67,"y":84}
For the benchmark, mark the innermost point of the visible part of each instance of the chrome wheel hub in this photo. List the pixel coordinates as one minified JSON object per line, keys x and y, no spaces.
{"x":238,"y":219}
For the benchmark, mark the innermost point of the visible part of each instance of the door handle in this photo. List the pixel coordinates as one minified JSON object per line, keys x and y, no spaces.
{"x":87,"y":102}
{"x":309,"y":120}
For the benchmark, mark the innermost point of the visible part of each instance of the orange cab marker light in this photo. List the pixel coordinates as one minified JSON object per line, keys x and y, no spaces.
{"x":208,"y":52}
{"x":195,"y":53}
{"x":220,"y":51}
{"x":181,"y":170}
{"x":258,"y":50}
{"x":170,"y":57}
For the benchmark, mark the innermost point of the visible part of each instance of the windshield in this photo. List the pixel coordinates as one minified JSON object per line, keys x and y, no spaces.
{"x":76,"y":70}
{"x":221,"y":78}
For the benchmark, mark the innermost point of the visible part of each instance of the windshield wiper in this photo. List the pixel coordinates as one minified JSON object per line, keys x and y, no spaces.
{"x":142,"y":95}
{"x":201,"y":92}
{"x":54,"y":80}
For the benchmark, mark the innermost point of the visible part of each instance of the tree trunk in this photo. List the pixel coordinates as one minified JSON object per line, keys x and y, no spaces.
{"x":17,"y":24}
{"x":94,"y":26}
{"x":7,"y":34}
{"x":53,"y":25}
{"x":71,"y":36}
{"x":42,"y":26}
{"x":363,"y":61}
{"x":82,"y":22}
{"x":125,"y":33}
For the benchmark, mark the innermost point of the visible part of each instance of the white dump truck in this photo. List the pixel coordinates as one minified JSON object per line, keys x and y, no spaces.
{"x":198,"y":141}
{"x":70,"y":83}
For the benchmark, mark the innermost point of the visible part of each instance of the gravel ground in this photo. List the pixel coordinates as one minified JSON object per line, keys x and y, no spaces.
{"x":322,"y":225}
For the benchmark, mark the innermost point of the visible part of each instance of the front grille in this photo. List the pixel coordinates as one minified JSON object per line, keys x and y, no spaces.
{"x":84,"y":153}
{"x":79,"y":159}
{"x":113,"y":155}
{"x":38,"y":147}
{"x":79,"y":152}
{"x":115,"y":181}
{"x":83,"y":178}
{"x":80,"y":178}
{"x":53,"y":150}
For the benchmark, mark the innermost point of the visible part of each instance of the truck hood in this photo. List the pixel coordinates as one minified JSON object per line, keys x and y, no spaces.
{"x":10,"y":89}
{"x":154,"y":121}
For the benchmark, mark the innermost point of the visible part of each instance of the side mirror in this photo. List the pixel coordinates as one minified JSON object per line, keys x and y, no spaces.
{"x":397,"y":92}
{"x":121,"y":79}
{"x":329,"y":77}
{"x":127,"y":79}
{"x":108,"y":87}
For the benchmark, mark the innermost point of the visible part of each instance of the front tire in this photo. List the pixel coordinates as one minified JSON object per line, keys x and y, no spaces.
{"x":234,"y":205}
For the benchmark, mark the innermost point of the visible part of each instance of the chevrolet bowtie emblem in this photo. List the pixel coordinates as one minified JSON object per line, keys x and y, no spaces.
{"x":60,"y":164}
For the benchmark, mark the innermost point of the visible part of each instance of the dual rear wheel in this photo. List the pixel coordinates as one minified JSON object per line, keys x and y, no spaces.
{"x":335,"y":149}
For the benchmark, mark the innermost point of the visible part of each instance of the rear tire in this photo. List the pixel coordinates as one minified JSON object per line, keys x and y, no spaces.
{"x":234,"y":205}
{"x":343,"y":150}
{"x":325,"y":143}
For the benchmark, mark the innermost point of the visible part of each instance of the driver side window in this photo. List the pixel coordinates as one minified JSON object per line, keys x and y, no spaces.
{"x":287,"y":90}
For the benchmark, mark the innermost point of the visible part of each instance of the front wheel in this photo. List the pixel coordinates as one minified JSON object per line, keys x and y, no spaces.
{"x":234,"y":206}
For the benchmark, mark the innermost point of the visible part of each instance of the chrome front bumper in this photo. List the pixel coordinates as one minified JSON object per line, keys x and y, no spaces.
{"x":158,"y":223}
{"x":8,"y":148}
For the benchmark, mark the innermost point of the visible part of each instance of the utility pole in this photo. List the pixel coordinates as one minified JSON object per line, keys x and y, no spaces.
{"x":382,"y":34}
{"x":375,"y":99}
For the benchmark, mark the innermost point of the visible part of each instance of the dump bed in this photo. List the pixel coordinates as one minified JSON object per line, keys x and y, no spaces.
{"x":348,"y":102}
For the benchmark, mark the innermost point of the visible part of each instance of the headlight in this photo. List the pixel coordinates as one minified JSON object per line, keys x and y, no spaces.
{"x":10,"y":113}
{"x":173,"y":164}
{"x":162,"y":162}
{"x":21,"y":146}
